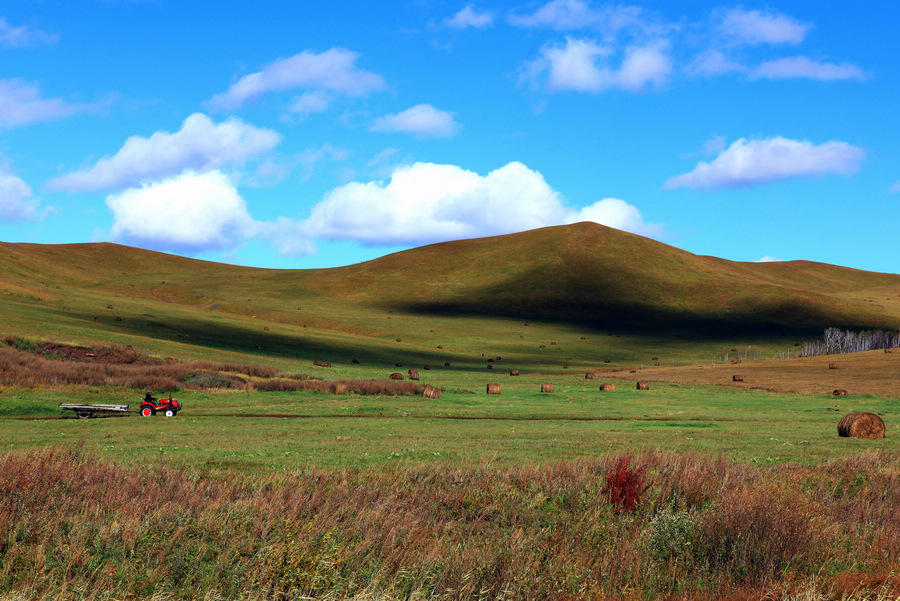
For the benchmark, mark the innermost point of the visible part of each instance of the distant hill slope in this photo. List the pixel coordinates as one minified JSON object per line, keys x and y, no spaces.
{"x":593,"y":274}
{"x":583,"y":273}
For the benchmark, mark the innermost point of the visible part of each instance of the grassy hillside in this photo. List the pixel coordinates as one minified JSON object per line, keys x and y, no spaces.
{"x":572,"y":284}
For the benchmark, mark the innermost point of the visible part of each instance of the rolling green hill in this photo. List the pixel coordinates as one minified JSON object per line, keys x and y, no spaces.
{"x":567,"y":281}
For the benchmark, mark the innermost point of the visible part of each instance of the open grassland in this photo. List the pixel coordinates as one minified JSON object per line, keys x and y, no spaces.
{"x":278,"y":480}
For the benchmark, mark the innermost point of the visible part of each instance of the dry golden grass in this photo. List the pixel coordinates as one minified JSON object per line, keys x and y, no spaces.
{"x":873,"y":373}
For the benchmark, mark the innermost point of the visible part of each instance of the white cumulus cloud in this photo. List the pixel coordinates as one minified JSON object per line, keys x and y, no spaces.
{"x":566,"y":15}
{"x":747,"y":163}
{"x":755,"y":27}
{"x":425,"y":202}
{"x":334,"y":70}
{"x":422,"y":120}
{"x":200,"y":145}
{"x":16,"y":197}
{"x":469,"y":17}
{"x":801,"y":67}
{"x":21,"y":36}
{"x":580,"y":65}
{"x":768,"y":259}
{"x":191,"y":212}
{"x":21,"y":104}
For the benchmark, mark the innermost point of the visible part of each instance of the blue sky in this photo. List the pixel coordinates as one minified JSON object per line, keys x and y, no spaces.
{"x":306,"y":134}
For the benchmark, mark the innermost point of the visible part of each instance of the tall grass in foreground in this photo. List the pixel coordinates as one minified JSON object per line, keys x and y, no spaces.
{"x":76,"y":527}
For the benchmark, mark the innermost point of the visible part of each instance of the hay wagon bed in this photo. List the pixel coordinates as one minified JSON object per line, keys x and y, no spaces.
{"x":85,"y":411}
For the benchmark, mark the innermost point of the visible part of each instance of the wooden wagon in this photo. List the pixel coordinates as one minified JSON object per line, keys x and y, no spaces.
{"x":87,"y":411}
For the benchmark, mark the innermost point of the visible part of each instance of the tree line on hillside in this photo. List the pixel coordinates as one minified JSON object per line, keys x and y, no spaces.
{"x":837,"y":341}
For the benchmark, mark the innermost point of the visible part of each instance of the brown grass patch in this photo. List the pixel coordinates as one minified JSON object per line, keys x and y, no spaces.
{"x":868,"y":373}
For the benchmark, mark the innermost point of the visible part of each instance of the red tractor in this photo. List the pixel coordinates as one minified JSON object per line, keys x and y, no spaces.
{"x":150,"y":406}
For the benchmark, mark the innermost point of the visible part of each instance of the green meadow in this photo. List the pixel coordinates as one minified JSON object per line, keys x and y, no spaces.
{"x":682,"y":491}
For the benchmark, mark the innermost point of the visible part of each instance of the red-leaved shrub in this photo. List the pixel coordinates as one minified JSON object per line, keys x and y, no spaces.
{"x":625,"y":485}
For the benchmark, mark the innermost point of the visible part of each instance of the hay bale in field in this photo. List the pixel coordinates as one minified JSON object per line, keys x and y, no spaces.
{"x":431,"y":392}
{"x":582,"y":337}
{"x":546,"y":387}
{"x":514,"y":372}
{"x":735,"y":361}
{"x":606,"y":360}
{"x":396,"y":376}
{"x":498,"y":358}
{"x":840,"y":392}
{"x":655,"y":358}
{"x":490,"y":366}
{"x":427,"y":367}
{"x":887,"y":350}
{"x":490,"y":360}
{"x":861,"y":425}
{"x":413,"y":374}
{"x":398,"y":364}
{"x":608,"y":387}
{"x":447,"y":364}
{"x":552,"y":343}
{"x":832,"y":366}
{"x":398,"y":340}
{"x":493,"y":389}
{"x":632,"y":370}
{"x":542,"y":346}
{"x":440,"y":346}
{"x":588,"y":376}
{"x":354,"y":361}
{"x":643,"y":385}
{"x":737,"y":378}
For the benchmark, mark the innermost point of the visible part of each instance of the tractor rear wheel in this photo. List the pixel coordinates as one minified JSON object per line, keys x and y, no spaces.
{"x":147,"y":411}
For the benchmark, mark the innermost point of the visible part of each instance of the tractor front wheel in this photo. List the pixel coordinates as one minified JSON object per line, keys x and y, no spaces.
{"x":147,"y":411}
{"x":170,"y":413}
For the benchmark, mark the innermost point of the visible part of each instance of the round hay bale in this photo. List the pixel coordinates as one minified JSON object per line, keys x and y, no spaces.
{"x":499,"y":358}
{"x":606,"y":360}
{"x":493,"y":389}
{"x":737,"y":378}
{"x":396,"y":376}
{"x":832,"y":366}
{"x":608,"y":387}
{"x":546,"y":387}
{"x":398,"y":364}
{"x":735,"y":361}
{"x":490,"y":366}
{"x":426,"y":367}
{"x":840,"y":392}
{"x":414,"y":374}
{"x":552,"y":343}
{"x":431,"y":392}
{"x":654,"y":358}
{"x":355,"y":361}
{"x":440,"y":346}
{"x":490,"y":360}
{"x":514,"y":372}
{"x":643,"y":386}
{"x":861,"y":425}
{"x":632,"y":370}
{"x":446,"y":364}
{"x":588,"y":376}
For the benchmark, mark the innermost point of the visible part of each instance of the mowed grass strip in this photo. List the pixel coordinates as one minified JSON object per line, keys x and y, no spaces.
{"x":279,"y":430}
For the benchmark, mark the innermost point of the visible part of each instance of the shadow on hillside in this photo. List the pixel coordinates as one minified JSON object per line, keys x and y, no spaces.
{"x":631,"y":319}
